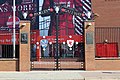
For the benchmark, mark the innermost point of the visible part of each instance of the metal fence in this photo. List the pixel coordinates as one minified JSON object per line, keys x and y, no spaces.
{"x":104,"y":37}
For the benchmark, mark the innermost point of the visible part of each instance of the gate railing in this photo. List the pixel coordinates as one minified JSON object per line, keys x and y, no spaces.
{"x":104,"y":38}
{"x":6,"y":43}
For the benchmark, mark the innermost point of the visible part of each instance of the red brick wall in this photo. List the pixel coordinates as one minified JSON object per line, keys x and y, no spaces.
{"x":107,"y":64}
{"x":109,"y":12}
{"x":24,"y":59}
{"x":8,"y":65}
{"x":109,"y":16}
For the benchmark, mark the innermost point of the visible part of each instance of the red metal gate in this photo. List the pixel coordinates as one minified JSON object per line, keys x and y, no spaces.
{"x":106,"y":50}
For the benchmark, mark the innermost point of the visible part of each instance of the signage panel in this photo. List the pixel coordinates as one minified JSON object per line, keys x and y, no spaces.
{"x":89,"y":38}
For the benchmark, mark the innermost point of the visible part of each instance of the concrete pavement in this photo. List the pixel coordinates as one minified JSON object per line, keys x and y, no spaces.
{"x":41,"y":75}
{"x":101,"y":75}
{"x":61,"y":75}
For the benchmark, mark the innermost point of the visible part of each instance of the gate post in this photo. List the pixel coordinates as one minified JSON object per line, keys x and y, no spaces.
{"x":24,"y":46}
{"x":89,"y":29}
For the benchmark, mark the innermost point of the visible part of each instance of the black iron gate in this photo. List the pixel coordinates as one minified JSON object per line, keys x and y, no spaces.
{"x":67,"y":59}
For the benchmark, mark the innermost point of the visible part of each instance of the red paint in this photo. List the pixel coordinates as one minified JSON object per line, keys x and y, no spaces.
{"x":61,"y":39}
{"x":6,"y":37}
{"x":107,"y":50}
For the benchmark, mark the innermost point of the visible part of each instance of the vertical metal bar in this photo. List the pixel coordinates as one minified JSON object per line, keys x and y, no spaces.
{"x":52,"y":51}
{"x":111,"y":32}
{"x":6,"y":52}
{"x":73,"y":50}
{"x":118,"y":41}
{"x":14,"y":29}
{"x":57,"y":16}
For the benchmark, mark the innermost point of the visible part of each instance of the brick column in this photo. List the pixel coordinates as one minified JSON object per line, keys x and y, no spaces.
{"x":89,"y":45}
{"x":24,"y":57}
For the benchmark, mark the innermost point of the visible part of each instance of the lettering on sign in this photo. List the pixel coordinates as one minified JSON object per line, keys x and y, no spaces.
{"x":22,"y":7}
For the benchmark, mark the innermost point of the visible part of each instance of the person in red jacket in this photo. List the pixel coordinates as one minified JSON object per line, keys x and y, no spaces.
{"x":65,"y":25}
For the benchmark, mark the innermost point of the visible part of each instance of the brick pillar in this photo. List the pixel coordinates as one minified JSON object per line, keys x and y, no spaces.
{"x":89,"y":45}
{"x":24,"y":57}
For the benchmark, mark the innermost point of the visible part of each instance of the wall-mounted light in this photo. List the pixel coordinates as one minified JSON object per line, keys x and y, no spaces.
{"x":76,"y":42}
{"x":37,"y":43}
{"x":50,"y":43}
{"x":43,"y":36}
{"x":88,"y":25}
{"x":23,"y":25}
{"x":89,"y":14}
{"x":63,"y":42}
{"x":106,"y":41}
{"x":70,"y":36}
{"x":25,"y":14}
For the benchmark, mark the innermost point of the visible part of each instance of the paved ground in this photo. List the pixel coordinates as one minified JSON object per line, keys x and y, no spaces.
{"x":61,"y":75}
{"x":101,"y":75}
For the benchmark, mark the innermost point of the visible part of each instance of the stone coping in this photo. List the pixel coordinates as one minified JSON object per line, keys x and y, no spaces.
{"x":110,"y":58}
{"x":8,"y":59}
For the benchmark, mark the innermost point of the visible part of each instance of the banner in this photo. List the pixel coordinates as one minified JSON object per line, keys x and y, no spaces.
{"x":6,"y":11}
